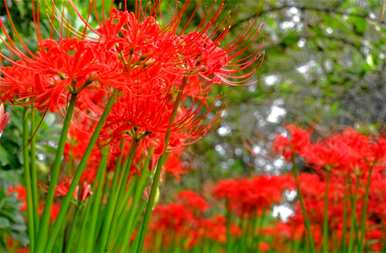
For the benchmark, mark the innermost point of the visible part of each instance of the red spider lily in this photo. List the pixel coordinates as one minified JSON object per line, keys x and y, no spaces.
{"x":313,"y":188}
{"x":289,"y":146}
{"x":348,"y":165}
{"x":174,"y":165}
{"x":264,"y":247}
{"x":213,"y":229}
{"x":21,"y":195}
{"x":59,"y":69}
{"x":148,"y":116}
{"x":192,"y":200}
{"x":179,"y":217}
{"x":4,"y":118}
{"x":252,"y":196}
{"x":138,"y":86}
{"x":54,"y":211}
{"x":347,"y":152}
{"x":173,"y":217}
{"x":125,"y":51}
{"x":185,"y":220}
{"x":81,"y":193}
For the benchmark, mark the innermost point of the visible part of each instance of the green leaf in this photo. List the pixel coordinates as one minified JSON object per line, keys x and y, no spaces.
{"x":4,"y":223}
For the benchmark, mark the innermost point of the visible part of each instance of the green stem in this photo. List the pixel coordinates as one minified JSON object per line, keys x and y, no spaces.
{"x":325,"y":220}
{"x":124,"y":190}
{"x":79,"y":171}
{"x":73,"y":240}
{"x":307,"y":222}
{"x":344,"y":226}
{"x":158,"y":169}
{"x":353,"y":217}
{"x":244,"y":228}
{"x":259,"y":227}
{"x":43,"y":231}
{"x":111,"y":193}
{"x":28,"y":184}
{"x":228,"y":216}
{"x":150,"y":203}
{"x":82,"y":232}
{"x":107,"y":222}
{"x":34,"y":183}
{"x":364,"y":211}
{"x":136,"y":207}
{"x":98,"y":187}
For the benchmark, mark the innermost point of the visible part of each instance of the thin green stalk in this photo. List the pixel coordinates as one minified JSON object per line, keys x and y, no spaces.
{"x":150,"y":203}
{"x":124,"y":195}
{"x":107,"y":222}
{"x":98,"y":187}
{"x":228,"y":216}
{"x":364,"y":212}
{"x":344,"y":226}
{"x":383,"y":237}
{"x":251,"y":228}
{"x":244,"y":228}
{"x":59,"y":244}
{"x":43,"y":231}
{"x":124,"y":200}
{"x":125,"y":187}
{"x":307,"y":222}
{"x":111,"y":193}
{"x":158,"y":242}
{"x":325,"y":218}
{"x":73,"y":240}
{"x":34,"y":180}
{"x":83,"y":233}
{"x":353,"y":217}
{"x":258,"y":227}
{"x":296,"y":246}
{"x":79,"y":171}
{"x":158,"y":168}
{"x":28,"y":184}
{"x":136,"y":207}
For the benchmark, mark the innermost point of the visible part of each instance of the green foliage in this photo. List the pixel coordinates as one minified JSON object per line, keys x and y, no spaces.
{"x":12,"y":222}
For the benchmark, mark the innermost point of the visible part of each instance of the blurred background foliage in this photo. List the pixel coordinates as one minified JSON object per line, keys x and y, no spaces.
{"x":324,"y":67}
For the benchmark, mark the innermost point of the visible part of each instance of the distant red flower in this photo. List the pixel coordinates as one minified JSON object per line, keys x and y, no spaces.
{"x":173,"y":217}
{"x":252,"y":196}
{"x":21,"y":195}
{"x":214,"y":229}
{"x":4,"y":118}
{"x":81,"y":192}
{"x":192,"y":200}
{"x":297,"y":140}
{"x":174,"y":165}
{"x":264,"y":247}
{"x":348,"y":152}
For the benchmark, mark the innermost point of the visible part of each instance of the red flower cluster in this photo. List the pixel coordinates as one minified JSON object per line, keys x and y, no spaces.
{"x":345,"y":191}
{"x":4,"y":118}
{"x":345,"y":153}
{"x":185,"y":220}
{"x":129,"y":84}
{"x":159,"y":75}
{"x":251,"y":197}
{"x":147,"y":63}
{"x":348,"y":166}
{"x":21,"y":195}
{"x":162,"y":75}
